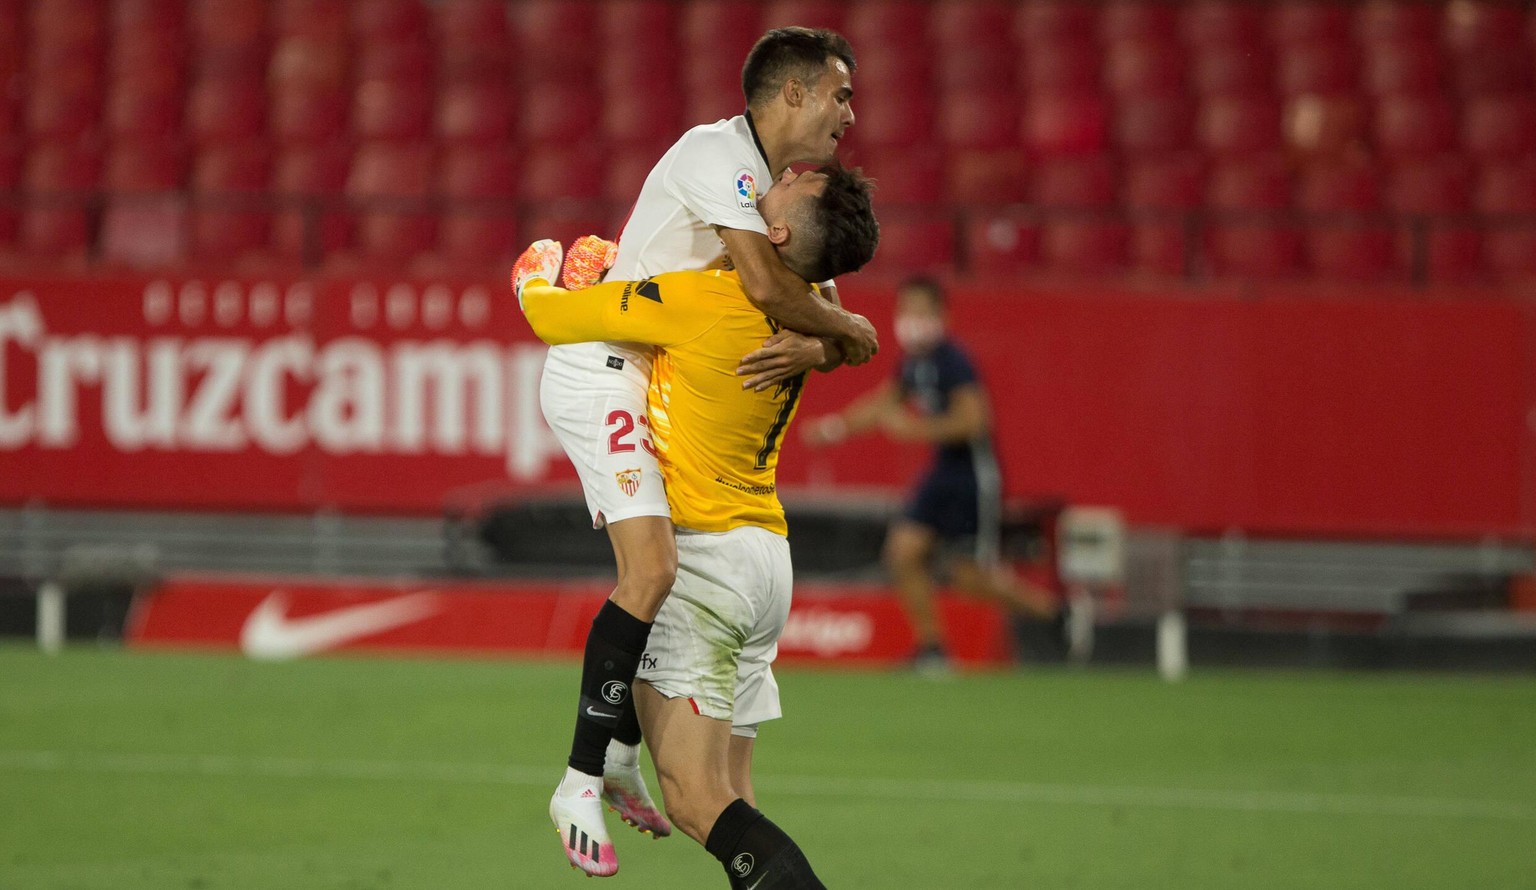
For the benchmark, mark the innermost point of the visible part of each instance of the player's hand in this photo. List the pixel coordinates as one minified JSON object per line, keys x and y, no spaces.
{"x":782,"y":356}
{"x":540,"y":261}
{"x":862,"y":345}
{"x":587,"y":260}
{"x":901,"y":426}
{"x":828,"y":430}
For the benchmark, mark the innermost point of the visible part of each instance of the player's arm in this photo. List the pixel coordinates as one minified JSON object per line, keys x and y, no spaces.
{"x":786,"y":297}
{"x":614,"y":310}
{"x":863,"y":413}
{"x":966,"y":418}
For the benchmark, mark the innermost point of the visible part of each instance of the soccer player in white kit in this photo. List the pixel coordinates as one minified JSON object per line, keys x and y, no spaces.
{"x":707,"y":679}
{"x":697,"y":205}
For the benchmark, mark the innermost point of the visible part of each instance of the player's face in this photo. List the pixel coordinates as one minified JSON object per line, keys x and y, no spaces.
{"x":788,"y":191}
{"x":826,"y":115}
{"x":919,"y":321}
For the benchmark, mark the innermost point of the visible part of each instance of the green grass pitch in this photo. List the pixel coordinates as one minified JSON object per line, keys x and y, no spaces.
{"x":124,"y":770}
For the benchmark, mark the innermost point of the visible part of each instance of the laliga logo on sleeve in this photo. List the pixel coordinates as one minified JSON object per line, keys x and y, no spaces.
{"x":746,"y":190}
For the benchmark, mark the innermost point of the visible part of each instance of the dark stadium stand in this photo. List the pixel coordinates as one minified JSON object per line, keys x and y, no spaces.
{"x":1379,"y":142}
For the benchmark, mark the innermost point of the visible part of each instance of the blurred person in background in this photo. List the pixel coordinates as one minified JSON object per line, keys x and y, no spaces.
{"x":953,"y":515}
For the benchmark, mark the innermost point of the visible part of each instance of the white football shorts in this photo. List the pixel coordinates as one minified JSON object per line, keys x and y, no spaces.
{"x":717,"y":634}
{"x":593,"y":396}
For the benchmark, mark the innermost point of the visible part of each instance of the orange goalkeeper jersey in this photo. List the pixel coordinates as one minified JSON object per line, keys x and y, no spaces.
{"x":717,"y":443}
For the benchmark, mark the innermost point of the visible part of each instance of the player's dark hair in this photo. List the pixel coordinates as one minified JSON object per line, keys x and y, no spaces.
{"x":784,"y":53}
{"x":929,"y":287}
{"x":841,"y":224}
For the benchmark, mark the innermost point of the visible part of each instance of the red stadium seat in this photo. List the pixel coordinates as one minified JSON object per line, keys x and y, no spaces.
{"x":986,"y":176}
{"x":1153,"y":125}
{"x":145,"y":58}
{"x":136,"y":111}
{"x":1040,"y":22}
{"x":408,"y":64}
{"x":1065,"y":67}
{"x":1250,"y":237}
{"x":643,"y":116}
{"x":629,"y":68}
{"x":1144,"y":68}
{"x":1403,"y":67}
{"x":565,"y":223}
{"x":308,"y":62}
{"x":987,"y":66}
{"x":623,"y":19}
{"x":326,"y":20}
{"x":1494,"y":70}
{"x":1230,"y":70}
{"x":1309,"y":21}
{"x":1064,"y":124}
{"x":1440,"y":247}
{"x":904,"y":176}
{"x":1344,"y":242}
{"x":712,"y":101}
{"x":388,"y":181}
{"x":475,"y":113}
{"x":1138,"y":20}
{"x":914,"y":244}
{"x":1077,"y":182}
{"x":308,"y":182}
{"x":1413,"y":127}
{"x":570,"y":113}
{"x":898,"y":24}
{"x":965,"y":25}
{"x":143,"y":221}
{"x":1160,"y":193}
{"x":480,"y":223}
{"x":308,"y":115}
{"x":1319,"y":68}
{"x":482,"y":23}
{"x":68,"y":22}
{"x":225,"y":112}
{"x":559,"y":41}
{"x":386,"y":110}
{"x":1208,"y":23}
{"x":1070,"y":241}
{"x":1318,"y":127}
{"x":1393,"y":20}
{"x":716,"y":37}
{"x":152,"y":15}
{"x":230,"y":38}
{"x":230,"y":218}
{"x":628,"y":166}
{"x":1500,"y":128}
{"x":885,"y":118}
{"x":806,"y":13}
{"x":59,"y":176}
{"x":1239,"y":125}
{"x":1472,"y":26}
{"x":390,"y":21}
{"x":1001,"y":244}
{"x":979,"y":120}
{"x":61,"y":116}
{"x":559,"y":171}
{"x":1509,"y":245}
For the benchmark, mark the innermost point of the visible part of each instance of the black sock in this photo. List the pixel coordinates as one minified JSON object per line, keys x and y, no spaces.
{"x":628,"y":728}
{"x":613,"y":653}
{"x":756,"y":853}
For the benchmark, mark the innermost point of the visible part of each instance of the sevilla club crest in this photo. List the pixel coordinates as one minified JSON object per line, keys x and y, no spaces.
{"x":629,"y":481}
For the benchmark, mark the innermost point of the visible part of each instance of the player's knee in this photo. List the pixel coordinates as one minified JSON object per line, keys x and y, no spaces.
{"x":651,"y":578}
{"x":689,"y":804}
{"x":899,"y":555}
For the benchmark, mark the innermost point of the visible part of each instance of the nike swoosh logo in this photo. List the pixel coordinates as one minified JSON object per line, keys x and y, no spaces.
{"x":594,"y":712}
{"x":753,"y":885}
{"x":270,"y":634}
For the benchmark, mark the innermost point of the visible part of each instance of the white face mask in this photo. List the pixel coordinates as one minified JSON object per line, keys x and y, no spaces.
{"x":916,"y":333}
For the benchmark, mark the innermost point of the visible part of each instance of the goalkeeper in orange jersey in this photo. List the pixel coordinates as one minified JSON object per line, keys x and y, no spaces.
{"x":705,"y":681}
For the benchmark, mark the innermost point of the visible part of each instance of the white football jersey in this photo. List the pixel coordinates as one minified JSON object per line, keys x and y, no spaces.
{"x":712,"y":176}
